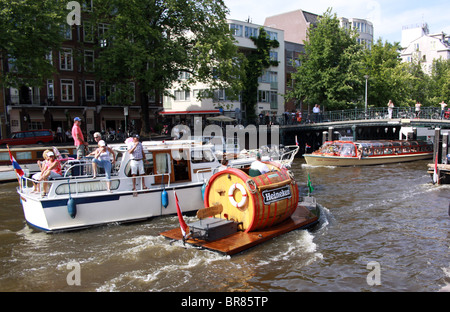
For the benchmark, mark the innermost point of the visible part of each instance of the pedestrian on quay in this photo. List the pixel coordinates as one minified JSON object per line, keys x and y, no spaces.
{"x":78,"y":138}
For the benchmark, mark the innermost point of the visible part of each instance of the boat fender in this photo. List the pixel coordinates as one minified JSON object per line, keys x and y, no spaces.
{"x":231,"y":195}
{"x":251,"y":185}
{"x":203,"y":191}
{"x":72,"y":208}
{"x":164,"y":198}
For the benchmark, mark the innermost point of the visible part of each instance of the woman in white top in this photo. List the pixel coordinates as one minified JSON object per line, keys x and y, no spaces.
{"x":102,"y":158}
{"x":390,"y":108}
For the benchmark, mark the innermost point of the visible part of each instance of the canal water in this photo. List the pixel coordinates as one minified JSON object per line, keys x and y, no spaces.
{"x":383,"y":228}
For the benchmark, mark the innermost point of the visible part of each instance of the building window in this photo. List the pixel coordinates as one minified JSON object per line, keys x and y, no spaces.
{"x":67,"y":90}
{"x":182,"y":75}
{"x":87,"y":5}
{"x":50,"y":89}
{"x":90,"y":90}
{"x":65,"y":59}
{"x":66,"y":31}
{"x":272,"y":35}
{"x":273,"y":56}
{"x":251,"y":32}
{"x":236,"y":30}
{"x":102,"y":29}
{"x":49,"y":57}
{"x":89,"y":60}
{"x":88,"y":32}
{"x":182,"y":95}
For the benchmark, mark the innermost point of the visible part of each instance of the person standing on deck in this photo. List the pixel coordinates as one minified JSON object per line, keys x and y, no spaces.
{"x":137,"y":160}
{"x":78,"y":138}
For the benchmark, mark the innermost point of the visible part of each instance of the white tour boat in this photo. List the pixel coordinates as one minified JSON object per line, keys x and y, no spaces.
{"x":77,"y":201}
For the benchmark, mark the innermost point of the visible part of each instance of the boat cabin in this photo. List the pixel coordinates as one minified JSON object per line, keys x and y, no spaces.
{"x":373,"y":148}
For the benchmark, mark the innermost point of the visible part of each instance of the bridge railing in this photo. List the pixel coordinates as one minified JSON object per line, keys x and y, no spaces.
{"x":433,"y":113}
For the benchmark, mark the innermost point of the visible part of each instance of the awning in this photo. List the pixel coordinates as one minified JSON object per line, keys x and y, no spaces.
{"x":58,"y":115}
{"x":197,"y":112}
{"x":75,"y":113}
{"x":134,"y":114}
{"x":36,"y":116}
{"x":112,"y":114}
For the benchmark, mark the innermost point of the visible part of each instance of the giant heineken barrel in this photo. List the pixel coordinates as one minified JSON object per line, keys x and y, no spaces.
{"x":255,"y":202}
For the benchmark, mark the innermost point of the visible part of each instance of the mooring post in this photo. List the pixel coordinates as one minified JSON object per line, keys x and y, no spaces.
{"x":437,"y":140}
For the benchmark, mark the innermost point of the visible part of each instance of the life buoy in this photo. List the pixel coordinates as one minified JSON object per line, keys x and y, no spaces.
{"x":231,"y":195}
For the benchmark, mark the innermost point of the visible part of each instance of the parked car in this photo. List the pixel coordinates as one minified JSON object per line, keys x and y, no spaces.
{"x":29,"y":137}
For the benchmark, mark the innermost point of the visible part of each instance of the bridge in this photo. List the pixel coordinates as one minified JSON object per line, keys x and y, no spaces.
{"x":358,"y":124}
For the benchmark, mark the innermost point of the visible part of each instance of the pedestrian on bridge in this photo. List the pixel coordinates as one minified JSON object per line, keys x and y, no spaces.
{"x":443,"y":106}
{"x":390,"y":108}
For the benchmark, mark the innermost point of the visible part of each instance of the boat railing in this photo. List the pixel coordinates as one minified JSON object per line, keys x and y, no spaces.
{"x":82,"y":185}
{"x":287,"y":158}
{"x":200,"y":174}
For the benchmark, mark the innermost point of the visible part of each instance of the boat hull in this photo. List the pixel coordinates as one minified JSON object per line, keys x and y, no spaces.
{"x":338,"y":161}
{"x":51,"y":215}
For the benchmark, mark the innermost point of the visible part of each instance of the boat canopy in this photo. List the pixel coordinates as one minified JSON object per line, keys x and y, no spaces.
{"x":373,"y":148}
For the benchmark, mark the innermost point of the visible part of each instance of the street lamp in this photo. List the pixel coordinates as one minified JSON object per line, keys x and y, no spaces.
{"x":365,"y":102}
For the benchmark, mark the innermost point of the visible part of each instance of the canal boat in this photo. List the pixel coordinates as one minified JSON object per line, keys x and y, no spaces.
{"x":361,"y":153}
{"x":27,"y":156}
{"x":243,"y":209}
{"x":77,"y":200}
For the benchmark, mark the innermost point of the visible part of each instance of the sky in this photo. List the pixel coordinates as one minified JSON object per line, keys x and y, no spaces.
{"x":388,"y":16}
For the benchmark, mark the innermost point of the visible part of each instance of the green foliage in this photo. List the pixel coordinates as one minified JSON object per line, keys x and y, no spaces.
{"x":151,"y":42}
{"x":334,"y":66}
{"x":330,"y":70}
{"x":257,"y":61}
{"x":29,"y":31}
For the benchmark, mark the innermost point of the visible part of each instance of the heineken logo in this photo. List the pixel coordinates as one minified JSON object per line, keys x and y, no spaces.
{"x":271,"y":196}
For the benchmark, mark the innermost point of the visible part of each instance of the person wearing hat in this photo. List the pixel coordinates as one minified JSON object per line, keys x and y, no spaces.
{"x":137,"y":160}
{"x":78,"y":138}
{"x":53,"y":170}
{"x":258,"y":165}
{"x":102,"y":158}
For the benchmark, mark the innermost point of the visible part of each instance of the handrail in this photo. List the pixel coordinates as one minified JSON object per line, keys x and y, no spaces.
{"x":372,"y":113}
{"x":76,"y":182}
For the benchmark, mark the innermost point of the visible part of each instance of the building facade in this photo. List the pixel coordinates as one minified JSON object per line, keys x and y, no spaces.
{"x":184,"y":106}
{"x":73,"y":90}
{"x":422,"y":47}
{"x":363,"y":27}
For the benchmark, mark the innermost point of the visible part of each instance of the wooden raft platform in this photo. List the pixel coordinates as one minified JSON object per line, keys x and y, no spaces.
{"x":240,"y":241}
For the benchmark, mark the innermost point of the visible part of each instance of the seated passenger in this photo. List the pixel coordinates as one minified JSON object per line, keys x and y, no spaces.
{"x":258,"y":165}
{"x":53,"y":170}
{"x":102,"y":158}
{"x":224,"y":164}
{"x":37,"y":176}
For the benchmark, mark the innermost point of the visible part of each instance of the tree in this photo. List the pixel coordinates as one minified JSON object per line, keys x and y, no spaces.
{"x":29,"y":31}
{"x":257,"y":61}
{"x":388,"y":77}
{"x":151,"y":42}
{"x":440,"y":82}
{"x":330,"y":68}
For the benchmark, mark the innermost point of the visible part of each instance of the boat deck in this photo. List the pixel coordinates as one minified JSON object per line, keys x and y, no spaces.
{"x":240,"y":241}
